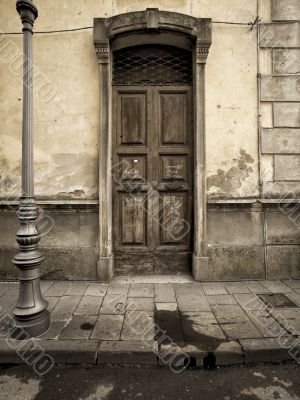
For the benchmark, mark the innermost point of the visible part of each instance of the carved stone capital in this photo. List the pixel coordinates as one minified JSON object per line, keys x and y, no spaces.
{"x":102,"y":54}
{"x":202,"y":54}
{"x":28,"y":13}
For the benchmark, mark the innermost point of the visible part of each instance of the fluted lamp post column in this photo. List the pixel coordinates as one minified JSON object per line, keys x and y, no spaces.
{"x":30,"y":314}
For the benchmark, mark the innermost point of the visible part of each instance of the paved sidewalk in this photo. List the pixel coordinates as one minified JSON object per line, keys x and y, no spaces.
{"x":152,"y":320}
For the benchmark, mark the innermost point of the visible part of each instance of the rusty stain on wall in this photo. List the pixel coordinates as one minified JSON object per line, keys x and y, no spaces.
{"x":228,"y":182}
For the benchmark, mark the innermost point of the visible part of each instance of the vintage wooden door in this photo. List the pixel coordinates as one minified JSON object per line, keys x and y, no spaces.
{"x":152,"y":178}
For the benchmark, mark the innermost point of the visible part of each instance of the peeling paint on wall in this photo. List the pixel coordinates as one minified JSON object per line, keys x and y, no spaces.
{"x":10,"y":178}
{"x":69,"y":124}
{"x":72,"y":176}
{"x":228,"y":182}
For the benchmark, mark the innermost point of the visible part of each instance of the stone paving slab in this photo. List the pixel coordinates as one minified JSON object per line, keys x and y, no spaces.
{"x":164,"y":293}
{"x":249,"y":301}
{"x":13,"y":288}
{"x":140,"y":304}
{"x":289,"y":318}
{"x":241,"y":330}
{"x":223,"y":321}
{"x":45,"y":285}
{"x":55,"y":330}
{"x":277,"y":287}
{"x":256,"y":287}
{"x":96,"y":289}
{"x":236,"y":287}
{"x":214,"y":289}
{"x":76,"y":289}
{"x":202,"y":327}
{"x":293,"y":284}
{"x":230,"y":314}
{"x":65,"y":307}
{"x":52,"y":301}
{"x":114,"y":304}
{"x":6,"y":302}
{"x":295,"y":297}
{"x":118,"y":288}
{"x":166,"y":307}
{"x":108,"y":327}
{"x":56,"y":289}
{"x":191,"y":298}
{"x":138,"y":325}
{"x":220,"y":299}
{"x":80,"y":327}
{"x":169,"y":323}
{"x":266,"y":324}
{"x":141,"y":290}
{"x":4,"y":288}
{"x":89,"y":305}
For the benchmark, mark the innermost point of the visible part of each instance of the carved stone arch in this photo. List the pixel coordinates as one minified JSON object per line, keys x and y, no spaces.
{"x":151,"y":26}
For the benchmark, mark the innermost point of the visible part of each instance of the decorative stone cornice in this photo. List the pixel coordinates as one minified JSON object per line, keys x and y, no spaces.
{"x":153,"y":20}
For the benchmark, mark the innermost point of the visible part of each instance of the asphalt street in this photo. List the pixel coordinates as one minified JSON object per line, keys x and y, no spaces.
{"x":265,"y":382}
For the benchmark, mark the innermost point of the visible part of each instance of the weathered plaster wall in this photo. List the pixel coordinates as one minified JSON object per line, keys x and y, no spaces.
{"x":66,"y":102}
{"x":69,"y":241}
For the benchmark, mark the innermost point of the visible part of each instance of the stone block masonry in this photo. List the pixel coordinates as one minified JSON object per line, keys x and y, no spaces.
{"x":281,"y":89}
{"x":280,"y":137}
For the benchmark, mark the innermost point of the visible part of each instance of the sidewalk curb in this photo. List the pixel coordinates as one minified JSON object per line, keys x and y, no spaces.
{"x":61,"y":351}
{"x":271,"y":349}
{"x":242,"y":352}
{"x":127,"y":352}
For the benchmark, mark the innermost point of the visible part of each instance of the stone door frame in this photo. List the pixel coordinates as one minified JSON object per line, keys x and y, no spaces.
{"x":151,"y":26}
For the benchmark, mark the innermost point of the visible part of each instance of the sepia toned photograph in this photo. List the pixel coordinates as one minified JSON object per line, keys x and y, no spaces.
{"x":149,"y":199}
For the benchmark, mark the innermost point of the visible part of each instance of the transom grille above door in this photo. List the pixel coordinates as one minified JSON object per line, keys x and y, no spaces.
{"x":152,"y":66}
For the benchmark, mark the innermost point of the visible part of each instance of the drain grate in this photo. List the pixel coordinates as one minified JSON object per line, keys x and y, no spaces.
{"x":277,"y":300}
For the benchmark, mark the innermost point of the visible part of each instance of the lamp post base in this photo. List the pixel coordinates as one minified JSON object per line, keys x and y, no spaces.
{"x":33,"y":327}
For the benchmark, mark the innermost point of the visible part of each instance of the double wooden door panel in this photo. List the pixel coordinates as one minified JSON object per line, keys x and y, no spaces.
{"x":152,"y":179}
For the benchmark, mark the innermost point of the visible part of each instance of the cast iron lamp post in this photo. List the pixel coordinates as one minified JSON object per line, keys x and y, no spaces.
{"x":30,"y":314}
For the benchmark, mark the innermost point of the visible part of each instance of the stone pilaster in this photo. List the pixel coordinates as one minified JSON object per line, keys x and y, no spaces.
{"x":280,"y":89}
{"x":280,"y":137}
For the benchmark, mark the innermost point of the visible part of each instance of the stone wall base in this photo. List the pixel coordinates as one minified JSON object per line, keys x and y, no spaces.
{"x":245,"y":241}
{"x":200,"y":268}
{"x":105,"y":269}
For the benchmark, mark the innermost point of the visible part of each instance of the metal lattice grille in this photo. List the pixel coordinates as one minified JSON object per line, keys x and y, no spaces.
{"x":277,"y":300}
{"x":152,"y":66}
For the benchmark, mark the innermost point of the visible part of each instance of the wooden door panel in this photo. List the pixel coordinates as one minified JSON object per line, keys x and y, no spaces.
{"x":174,"y":148}
{"x":174,"y":167}
{"x":132,"y":117}
{"x":133,"y":219}
{"x":173,"y":115}
{"x":153,"y":193}
{"x":175,"y":226}
{"x":132,"y":168}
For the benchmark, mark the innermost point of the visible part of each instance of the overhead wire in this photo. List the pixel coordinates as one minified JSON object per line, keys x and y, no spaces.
{"x":254,"y":23}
